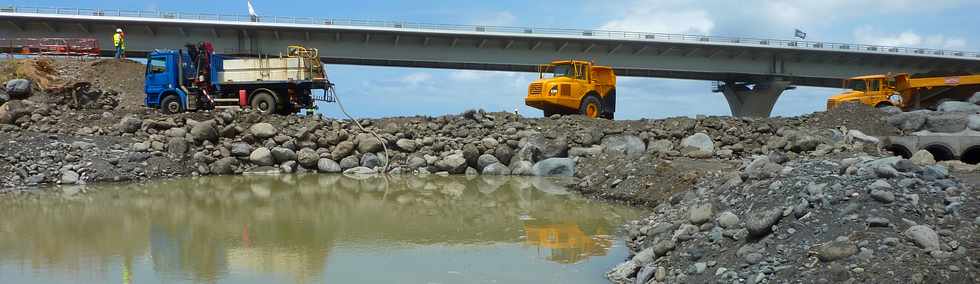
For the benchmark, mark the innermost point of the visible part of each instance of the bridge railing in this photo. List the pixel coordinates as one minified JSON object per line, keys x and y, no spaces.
{"x":602,"y":34}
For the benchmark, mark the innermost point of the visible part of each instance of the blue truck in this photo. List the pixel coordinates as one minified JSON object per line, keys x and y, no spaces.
{"x":196,"y":78}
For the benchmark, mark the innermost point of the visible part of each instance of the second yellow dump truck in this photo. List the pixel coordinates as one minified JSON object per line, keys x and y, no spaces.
{"x":906,"y":92}
{"x":574,"y":87}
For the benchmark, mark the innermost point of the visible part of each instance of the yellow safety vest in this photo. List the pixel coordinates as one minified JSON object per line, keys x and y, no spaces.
{"x":118,"y":40}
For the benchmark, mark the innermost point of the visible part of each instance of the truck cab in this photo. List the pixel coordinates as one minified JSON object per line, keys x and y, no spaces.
{"x":874,"y":90}
{"x":163,"y":80}
{"x":574,"y":87}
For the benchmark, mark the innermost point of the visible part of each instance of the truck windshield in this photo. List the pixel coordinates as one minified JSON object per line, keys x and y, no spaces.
{"x":857,"y":85}
{"x":563,"y":70}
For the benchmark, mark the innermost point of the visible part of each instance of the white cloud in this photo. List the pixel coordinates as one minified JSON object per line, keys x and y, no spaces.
{"x":503,"y":18}
{"x":869,"y":35}
{"x":415,"y":79}
{"x":662,"y":17}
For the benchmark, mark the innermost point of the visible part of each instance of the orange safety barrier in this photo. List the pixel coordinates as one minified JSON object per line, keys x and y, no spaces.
{"x":53,"y":46}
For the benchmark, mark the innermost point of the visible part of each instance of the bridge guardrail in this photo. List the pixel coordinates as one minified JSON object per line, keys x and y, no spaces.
{"x":601,"y":34}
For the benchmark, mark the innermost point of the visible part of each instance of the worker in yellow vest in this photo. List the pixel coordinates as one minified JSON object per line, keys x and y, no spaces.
{"x":119,"y":42}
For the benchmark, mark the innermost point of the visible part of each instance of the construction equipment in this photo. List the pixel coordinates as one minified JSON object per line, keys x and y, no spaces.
{"x":82,"y":47}
{"x":906,"y":92}
{"x":574,"y":87}
{"x":199,"y":79}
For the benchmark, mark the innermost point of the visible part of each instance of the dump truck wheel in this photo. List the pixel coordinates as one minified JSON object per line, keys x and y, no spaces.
{"x":264,"y":103}
{"x":591,"y":107}
{"x":171,"y":105}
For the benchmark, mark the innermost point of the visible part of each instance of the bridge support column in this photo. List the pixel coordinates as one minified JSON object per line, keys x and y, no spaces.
{"x":757,"y":101}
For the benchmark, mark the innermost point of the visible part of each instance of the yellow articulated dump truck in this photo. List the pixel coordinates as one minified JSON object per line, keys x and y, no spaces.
{"x":574,"y":87}
{"x":906,"y":92}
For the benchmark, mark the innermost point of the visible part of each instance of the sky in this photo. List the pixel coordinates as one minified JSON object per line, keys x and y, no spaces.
{"x":386,"y":91}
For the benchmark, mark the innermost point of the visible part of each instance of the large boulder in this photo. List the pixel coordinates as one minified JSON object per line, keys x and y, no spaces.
{"x":263,"y":130}
{"x":554,"y":167}
{"x":454,"y":164}
{"x":224,"y":166}
{"x":975,"y":99}
{"x":522,"y":168}
{"x":129,"y":124}
{"x":328,"y":166}
{"x":11,"y":111}
{"x":485,"y":160}
{"x":660,"y":147}
{"x":858,"y":136}
{"x":367,"y":143}
{"x":909,"y":121}
{"x":407,"y":145}
{"x":957,"y":106}
{"x":262,"y":157}
{"x":698,"y":142}
{"x":343,"y":149}
{"x":628,"y":145}
{"x":18,"y":88}
{"x":241,"y":149}
{"x":496,"y":169}
{"x":973,"y":122}
{"x":950,"y":122}
{"x":370,"y":160}
{"x":538,"y":147}
{"x":282,"y":155}
{"x":923,"y":158}
{"x":204,"y":131}
{"x":307,"y":158}
{"x":923,"y":236}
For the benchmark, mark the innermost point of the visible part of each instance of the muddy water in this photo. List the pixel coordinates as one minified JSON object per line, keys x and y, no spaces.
{"x":311,"y":229}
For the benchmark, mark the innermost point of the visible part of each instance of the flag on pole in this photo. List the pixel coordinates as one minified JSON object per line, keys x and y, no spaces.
{"x":251,"y":10}
{"x":800,"y":34}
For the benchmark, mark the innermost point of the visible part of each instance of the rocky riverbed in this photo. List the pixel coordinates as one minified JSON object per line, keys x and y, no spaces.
{"x":808,"y":199}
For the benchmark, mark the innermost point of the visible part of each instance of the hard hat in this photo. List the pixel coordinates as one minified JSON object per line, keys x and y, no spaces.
{"x":118,"y":30}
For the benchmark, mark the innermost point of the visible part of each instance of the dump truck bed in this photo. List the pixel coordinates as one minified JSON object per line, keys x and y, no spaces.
{"x":265,"y":69}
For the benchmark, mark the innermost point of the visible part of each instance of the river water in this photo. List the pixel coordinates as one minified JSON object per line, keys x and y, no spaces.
{"x":311,"y":229}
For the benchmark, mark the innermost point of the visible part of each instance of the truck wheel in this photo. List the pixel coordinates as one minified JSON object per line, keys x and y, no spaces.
{"x":264,"y":103}
{"x":591,"y":107}
{"x":171,"y":105}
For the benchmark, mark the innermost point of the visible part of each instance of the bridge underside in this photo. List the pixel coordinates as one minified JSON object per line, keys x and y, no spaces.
{"x":769,"y":69}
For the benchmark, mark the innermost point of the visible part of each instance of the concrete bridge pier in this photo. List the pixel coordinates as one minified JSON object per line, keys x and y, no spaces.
{"x":756,"y":101}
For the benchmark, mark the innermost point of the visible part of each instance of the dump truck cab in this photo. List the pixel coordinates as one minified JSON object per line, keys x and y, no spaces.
{"x":163,"y":79}
{"x":874,"y":90}
{"x":574,"y":87}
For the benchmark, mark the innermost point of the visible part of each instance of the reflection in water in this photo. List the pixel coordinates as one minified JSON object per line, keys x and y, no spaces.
{"x":267,"y":229}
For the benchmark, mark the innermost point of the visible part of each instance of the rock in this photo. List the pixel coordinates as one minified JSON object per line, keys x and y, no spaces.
{"x":325,"y":165}
{"x":503,"y":153}
{"x":890,"y":110}
{"x":878,"y":222}
{"x":11,"y":111}
{"x":454,"y":164}
{"x":646,"y":273}
{"x":262,"y":157}
{"x":958,"y":106}
{"x":923,"y":236}
{"x":406,"y":145}
{"x":948,"y":122}
{"x":728,"y":220}
{"x":923,"y":158}
{"x":224,"y":166}
{"x":177,"y":147}
{"x":356,"y":171}
{"x":18,"y":88}
{"x":370,"y":160}
{"x":367,"y":143}
{"x":762,"y":168}
{"x":485,"y":160}
{"x":623,"y":272}
{"x":471,"y":154}
{"x":343,"y":149}
{"x":142,"y":147}
{"x":909,"y":121}
{"x":522,"y":168}
{"x":661,"y":248}
{"x":263,"y":130}
{"x":934,"y":172}
{"x":660,"y":147}
{"x":700,"y":267}
{"x":282,"y":155}
{"x":241,"y":149}
{"x":263,"y":171}
{"x":836,"y":250}
{"x":350,"y":162}
{"x":881,"y":185}
{"x":858,"y":136}
{"x":554,"y":167}
{"x":886,"y":171}
{"x":204,"y":131}
{"x":973,"y":122}
{"x":700,"y":213}
{"x":697,"y":142}
{"x":759,"y":224}
{"x":645,"y":256}
{"x":496,"y":169}
{"x":883,"y":196}
{"x":307,"y":158}
{"x":69,"y":177}
{"x":628,"y":145}
{"x":129,"y":124}
{"x":975,"y":99}
{"x":585,"y":152}
{"x":977,"y":221}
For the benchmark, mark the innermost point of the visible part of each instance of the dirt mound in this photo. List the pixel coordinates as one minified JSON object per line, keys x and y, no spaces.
{"x":42,"y":72}
{"x":853,"y":116}
{"x":122,"y":76}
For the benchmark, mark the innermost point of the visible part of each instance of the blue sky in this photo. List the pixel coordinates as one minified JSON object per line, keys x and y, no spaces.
{"x":379,"y":91}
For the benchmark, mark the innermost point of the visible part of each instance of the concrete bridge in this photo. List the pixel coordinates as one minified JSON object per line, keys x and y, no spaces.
{"x":752,"y":73}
